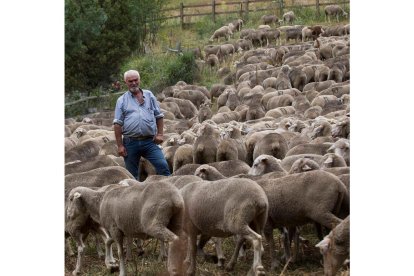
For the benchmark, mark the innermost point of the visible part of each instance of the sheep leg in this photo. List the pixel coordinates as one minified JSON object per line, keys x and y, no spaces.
{"x":256,"y":240}
{"x":191,"y":253}
{"x":200,"y":252}
{"x":99,"y":247}
{"x":81,"y":246}
{"x":129,"y":249}
{"x":163,"y":251}
{"x":295,"y":236}
{"x":69,"y":247}
{"x":240,"y":241}
{"x":120,"y":244}
{"x":286,"y":243}
{"x":109,"y":258}
{"x":269,"y":237}
{"x":219,"y":250}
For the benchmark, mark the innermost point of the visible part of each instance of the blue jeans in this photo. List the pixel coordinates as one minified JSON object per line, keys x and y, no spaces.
{"x":147,"y":149}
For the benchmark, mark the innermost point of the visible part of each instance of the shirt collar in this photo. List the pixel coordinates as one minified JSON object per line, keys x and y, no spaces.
{"x":142,"y":91}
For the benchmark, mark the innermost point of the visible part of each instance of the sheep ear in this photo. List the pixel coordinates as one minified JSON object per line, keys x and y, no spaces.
{"x":328,"y":160}
{"x":264,"y":159}
{"x":306,"y":168}
{"x":76,"y":195}
{"x":324,"y":245}
{"x":331,"y":149}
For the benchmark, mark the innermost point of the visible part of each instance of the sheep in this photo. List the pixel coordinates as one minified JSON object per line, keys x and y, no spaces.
{"x":205,"y":146}
{"x":288,"y":17}
{"x":341,"y":128}
{"x":90,"y":164}
{"x":187,"y":108}
{"x":303,"y":165}
{"x":195,"y":96}
{"x":341,"y":148}
{"x":154,"y":209}
{"x":225,"y":50}
{"x":182,"y":156}
{"x":293,"y":33}
{"x":269,"y":19}
{"x":233,"y":214}
{"x":243,"y":44}
{"x":265,"y":164}
{"x":288,"y":161}
{"x":314,"y":196}
{"x":227,"y":168}
{"x":331,"y":160}
{"x":334,"y":10}
{"x":221,"y":32}
{"x":321,"y":149}
{"x":283,"y":80}
{"x":280,"y":112}
{"x":284,"y":100}
{"x":298,"y":78}
{"x":96,"y":177}
{"x":335,"y":247}
{"x":172,"y":107}
{"x":271,"y":35}
{"x":83,"y":151}
{"x":79,"y":223}
{"x":272,"y":144}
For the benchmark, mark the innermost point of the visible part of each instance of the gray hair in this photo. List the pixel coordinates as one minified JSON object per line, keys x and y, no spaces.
{"x":131,"y":72}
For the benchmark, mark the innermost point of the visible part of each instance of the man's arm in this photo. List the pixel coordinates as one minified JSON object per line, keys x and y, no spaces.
{"x":118,"y":136}
{"x":159,"y":137}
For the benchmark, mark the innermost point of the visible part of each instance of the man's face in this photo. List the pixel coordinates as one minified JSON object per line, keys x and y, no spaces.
{"x":132,"y":81}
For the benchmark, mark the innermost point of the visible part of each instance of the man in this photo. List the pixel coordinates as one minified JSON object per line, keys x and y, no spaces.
{"x":139,"y":120}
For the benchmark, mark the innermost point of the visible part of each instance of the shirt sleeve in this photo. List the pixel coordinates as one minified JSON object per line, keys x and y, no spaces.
{"x":156,"y":107}
{"x":119,"y":115}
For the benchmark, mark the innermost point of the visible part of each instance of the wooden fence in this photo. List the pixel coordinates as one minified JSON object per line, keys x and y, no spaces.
{"x":242,"y":8}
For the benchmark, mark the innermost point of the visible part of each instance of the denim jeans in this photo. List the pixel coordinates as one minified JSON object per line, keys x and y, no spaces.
{"x":147,"y":149}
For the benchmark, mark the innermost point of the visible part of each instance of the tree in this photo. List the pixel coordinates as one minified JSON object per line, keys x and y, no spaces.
{"x":101,"y":34}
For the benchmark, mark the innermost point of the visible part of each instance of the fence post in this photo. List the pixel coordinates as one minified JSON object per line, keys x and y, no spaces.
{"x":213,"y":9}
{"x":241,"y":9}
{"x":318,"y":12}
{"x":247,"y":9}
{"x":182,"y":15}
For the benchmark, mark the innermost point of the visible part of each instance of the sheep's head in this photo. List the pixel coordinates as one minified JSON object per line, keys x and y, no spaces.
{"x":332,"y":257}
{"x":76,"y":213}
{"x":264,"y":164}
{"x":303,"y":165}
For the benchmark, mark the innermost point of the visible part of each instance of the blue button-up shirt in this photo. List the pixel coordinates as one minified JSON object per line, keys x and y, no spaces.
{"x":137,"y":119}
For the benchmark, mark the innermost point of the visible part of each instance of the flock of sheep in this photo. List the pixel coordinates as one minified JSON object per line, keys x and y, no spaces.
{"x":275,"y":155}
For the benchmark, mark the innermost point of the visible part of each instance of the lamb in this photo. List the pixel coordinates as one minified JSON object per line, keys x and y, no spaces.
{"x":233,"y":214}
{"x":334,"y":10}
{"x":221,"y":32}
{"x":335,"y":247}
{"x":153,"y":209}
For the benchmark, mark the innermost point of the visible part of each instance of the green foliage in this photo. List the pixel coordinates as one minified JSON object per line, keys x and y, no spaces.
{"x":160,"y":71}
{"x":101,"y":34}
{"x":184,"y":69}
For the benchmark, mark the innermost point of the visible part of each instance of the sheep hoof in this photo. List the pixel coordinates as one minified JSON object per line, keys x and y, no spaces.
{"x":220,"y":262}
{"x":113,"y":268}
{"x":259,"y":271}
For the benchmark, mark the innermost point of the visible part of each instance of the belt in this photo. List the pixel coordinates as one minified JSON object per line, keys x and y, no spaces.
{"x":139,"y":138}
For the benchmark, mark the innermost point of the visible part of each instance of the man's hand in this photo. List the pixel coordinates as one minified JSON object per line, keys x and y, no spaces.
{"x":158,"y":139}
{"x":122,"y":151}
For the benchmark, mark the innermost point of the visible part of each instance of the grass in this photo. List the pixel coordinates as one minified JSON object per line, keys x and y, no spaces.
{"x":308,"y":264}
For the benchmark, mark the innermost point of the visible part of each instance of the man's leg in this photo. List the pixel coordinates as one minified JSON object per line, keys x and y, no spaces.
{"x":133,"y":156}
{"x":155,"y":156}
